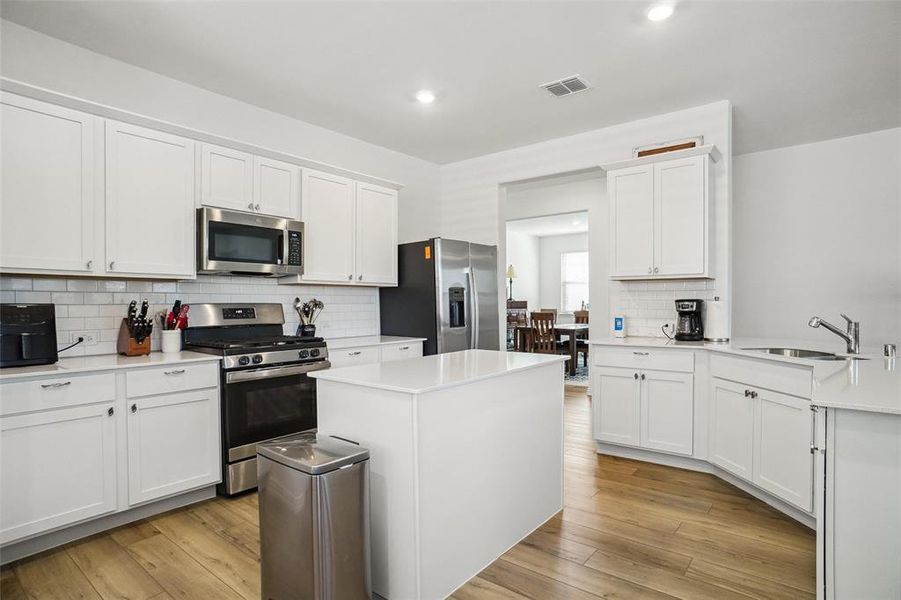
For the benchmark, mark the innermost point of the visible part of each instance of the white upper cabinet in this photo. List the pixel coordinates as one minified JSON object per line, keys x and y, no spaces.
{"x":48,"y":177}
{"x":276,"y":188}
{"x":328,"y":210}
{"x":376,"y":260}
{"x":660,"y":216}
{"x":149,"y":202}
{"x":226,"y":178}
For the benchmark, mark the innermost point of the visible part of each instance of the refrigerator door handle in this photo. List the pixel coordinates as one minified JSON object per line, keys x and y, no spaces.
{"x":474,"y":311}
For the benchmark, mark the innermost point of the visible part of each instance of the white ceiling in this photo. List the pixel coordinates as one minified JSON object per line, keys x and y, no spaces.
{"x":796,"y":71}
{"x":551,"y":225}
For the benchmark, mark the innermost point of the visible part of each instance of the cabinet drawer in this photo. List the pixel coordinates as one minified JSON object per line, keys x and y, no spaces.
{"x":57,"y":392}
{"x":785,"y":378}
{"x":347,"y":357}
{"x":401,"y":351}
{"x":175,"y":378}
{"x":644,"y":358}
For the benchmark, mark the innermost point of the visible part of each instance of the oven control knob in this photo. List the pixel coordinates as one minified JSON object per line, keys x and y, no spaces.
{"x":244,"y":361}
{"x":257,"y":359}
{"x":304,"y":353}
{"x":314,"y":352}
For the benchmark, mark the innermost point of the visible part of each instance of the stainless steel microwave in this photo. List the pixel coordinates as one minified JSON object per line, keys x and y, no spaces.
{"x":230,"y":241}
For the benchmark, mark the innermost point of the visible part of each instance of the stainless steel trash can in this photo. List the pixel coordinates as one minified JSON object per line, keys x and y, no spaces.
{"x":314,"y":519}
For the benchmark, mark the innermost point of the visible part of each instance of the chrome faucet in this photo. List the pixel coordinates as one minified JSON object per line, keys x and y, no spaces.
{"x":851,"y":337}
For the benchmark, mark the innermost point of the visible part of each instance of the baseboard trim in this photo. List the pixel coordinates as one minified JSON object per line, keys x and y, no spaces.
{"x":694,"y":464}
{"x":46,"y":541}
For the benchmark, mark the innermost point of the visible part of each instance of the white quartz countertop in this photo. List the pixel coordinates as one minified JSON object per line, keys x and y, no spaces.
{"x":104,"y":362}
{"x":428,"y":373}
{"x":871,"y":384}
{"x":369,"y":340}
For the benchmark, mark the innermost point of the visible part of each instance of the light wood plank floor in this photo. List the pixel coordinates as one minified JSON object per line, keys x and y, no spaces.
{"x":628,"y":530}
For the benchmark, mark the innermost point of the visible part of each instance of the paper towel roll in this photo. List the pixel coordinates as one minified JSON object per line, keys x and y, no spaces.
{"x":716,"y":324}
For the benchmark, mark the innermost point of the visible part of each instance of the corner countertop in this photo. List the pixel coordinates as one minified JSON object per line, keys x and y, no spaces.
{"x":429,"y":373}
{"x":104,"y":362}
{"x":369,"y":340}
{"x":872,"y":383}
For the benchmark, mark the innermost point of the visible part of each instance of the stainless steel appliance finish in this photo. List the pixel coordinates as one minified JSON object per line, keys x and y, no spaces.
{"x":851,"y":336}
{"x":266,"y":389}
{"x":236,"y":242}
{"x":447,"y":293}
{"x":803,"y":353}
{"x":314,"y":519}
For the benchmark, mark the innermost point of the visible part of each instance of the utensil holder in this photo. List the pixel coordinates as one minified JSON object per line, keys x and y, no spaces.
{"x":129,"y":346}
{"x":170,"y":340}
{"x":306,"y":330}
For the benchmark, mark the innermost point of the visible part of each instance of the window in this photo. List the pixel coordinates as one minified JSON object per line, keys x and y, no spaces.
{"x":573,"y":280}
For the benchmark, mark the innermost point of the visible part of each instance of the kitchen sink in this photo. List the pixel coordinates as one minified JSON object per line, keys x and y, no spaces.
{"x":801,"y":353}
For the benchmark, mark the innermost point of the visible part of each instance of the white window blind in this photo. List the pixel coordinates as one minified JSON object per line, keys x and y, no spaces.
{"x":573,"y":280}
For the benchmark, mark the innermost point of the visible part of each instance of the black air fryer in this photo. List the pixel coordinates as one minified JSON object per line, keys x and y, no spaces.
{"x":27,"y":335}
{"x":689,"y":327}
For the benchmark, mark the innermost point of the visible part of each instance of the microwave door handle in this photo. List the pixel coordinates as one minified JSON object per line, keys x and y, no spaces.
{"x":282,"y":248}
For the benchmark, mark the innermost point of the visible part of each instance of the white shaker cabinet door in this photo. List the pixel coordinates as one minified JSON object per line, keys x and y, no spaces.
{"x":149,"y":202}
{"x":783,"y":463}
{"x":226,"y":178}
{"x":173,"y":444}
{"x":47,"y":209}
{"x":328,"y":210}
{"x":276,"y":188}
{"x":731,"y":427}
{"x":667,"y":415}
{"x":680,"y":217}
{"x":376,"y":260}
{"x":617,"y":405}
{"x":631,"y":195}
{"x":58,"y":467}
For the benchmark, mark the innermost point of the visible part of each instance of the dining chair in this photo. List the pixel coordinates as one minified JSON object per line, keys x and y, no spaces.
{"x":544,"y":335}
{"x":581,"y":316}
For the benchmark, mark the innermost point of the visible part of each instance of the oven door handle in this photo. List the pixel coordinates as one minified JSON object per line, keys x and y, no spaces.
{"x":268,"y":373}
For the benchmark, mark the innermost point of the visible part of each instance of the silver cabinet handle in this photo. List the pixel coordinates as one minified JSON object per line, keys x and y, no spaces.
{"x":636,"y":375}
{"x":257,"y":207}
{"x":47,"y":386}
{"x":359,"y":278}
{"x":404,"y":348}
{"x":747,"y":393}
{"x":753,"y":394}
{"x":357,"y":353}
{"x":250,"y":206}
{"x":649,"y":269}
{"x":641,"y":353}
{"x":111,"y":411}
{"x":90,"y":264}
{"x":112,"y":264}
{"x":350,"y":277}
{"x":175,"y":372}
{"x":656,"y":269}
{"x":642,"y":377}
{"x":134,"y":408}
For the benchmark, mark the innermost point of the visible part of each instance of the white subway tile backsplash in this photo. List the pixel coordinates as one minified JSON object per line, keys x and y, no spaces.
{"x":139,"y":286}
{"x":98,"y":298}
{"x":15,"y":284}
{"x":67,"y":297}
{"x":28,"y":297}
{"x":82,"y":285}
{"x":49,"y":285}
{"x":110,"y":285}
{"x":648,"y":305}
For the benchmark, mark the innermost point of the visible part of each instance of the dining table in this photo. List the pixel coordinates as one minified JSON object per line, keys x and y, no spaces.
{"x":572,"y":330}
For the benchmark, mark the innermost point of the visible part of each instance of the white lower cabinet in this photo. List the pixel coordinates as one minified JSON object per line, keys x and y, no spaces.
{"x":173,"y":444}
{"x":647,"y":409}
{"x":731,"y":428}
{"x":58,"y":468}
{"x":783,"y":463}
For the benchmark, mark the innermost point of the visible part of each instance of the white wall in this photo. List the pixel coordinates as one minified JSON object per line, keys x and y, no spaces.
{"x":523,"y":252}
{"x":475,"y":199}
{"x":552,"y":246}
{"x":817,"y":231}
{"x":40,"y":60}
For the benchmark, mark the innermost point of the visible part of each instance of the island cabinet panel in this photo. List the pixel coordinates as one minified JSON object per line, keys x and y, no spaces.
{"x":667,"y":411}
{"x":376,"y":243}
{"x":59,"y":467}
{"x":48,"y":177}
{"x":149,"y":202}
{"x":783,"y":432}
{"x":731,"y":428}
{"x":328,"y":210}
{"x":617,"y":406}
{"x":173,"y":444}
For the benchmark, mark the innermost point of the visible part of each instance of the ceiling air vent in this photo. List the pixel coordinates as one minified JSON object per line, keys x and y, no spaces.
{"x":566,"y":86}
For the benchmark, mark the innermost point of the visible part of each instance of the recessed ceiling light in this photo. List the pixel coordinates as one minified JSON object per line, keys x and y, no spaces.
{"x":425,"y":96}
{"x":661,"y":12}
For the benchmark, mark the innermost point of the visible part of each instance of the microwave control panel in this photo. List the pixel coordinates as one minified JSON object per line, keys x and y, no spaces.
{"x":294,"y":248}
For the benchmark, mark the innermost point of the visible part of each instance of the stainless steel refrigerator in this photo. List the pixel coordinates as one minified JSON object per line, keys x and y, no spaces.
{"x":447,"y":293}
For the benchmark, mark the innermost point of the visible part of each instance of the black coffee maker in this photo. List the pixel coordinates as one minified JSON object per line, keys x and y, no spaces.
{"x":689,"y":327}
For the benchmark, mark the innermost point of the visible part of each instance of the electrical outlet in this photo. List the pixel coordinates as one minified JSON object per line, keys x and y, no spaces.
{"x":90,"y":337}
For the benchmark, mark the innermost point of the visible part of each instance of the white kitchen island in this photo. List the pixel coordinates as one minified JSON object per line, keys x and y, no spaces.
{"x":466,"y":459}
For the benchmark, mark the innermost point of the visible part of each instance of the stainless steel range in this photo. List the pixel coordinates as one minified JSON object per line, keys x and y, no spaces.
{"x":266,"y":390}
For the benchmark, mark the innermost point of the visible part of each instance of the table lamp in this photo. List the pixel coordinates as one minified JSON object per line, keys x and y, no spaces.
{"x":511,"y":275}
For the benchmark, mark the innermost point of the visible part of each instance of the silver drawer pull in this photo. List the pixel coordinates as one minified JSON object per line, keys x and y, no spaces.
{"x":175,"y":372}
{"x":404,"y":348}
{"x":357,"y":353}
{"x":641,"y":353}
{"x":55,"y":385}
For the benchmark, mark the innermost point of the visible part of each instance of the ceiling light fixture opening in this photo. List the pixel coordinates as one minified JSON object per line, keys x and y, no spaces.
{"x":425,"y":96}
{"x":661,"y":12}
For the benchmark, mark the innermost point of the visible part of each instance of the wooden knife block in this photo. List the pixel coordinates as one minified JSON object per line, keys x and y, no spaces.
{"x":128,"y":346}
